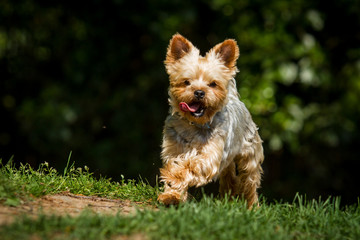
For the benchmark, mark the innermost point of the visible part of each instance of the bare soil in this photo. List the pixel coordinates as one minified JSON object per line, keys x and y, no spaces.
{"x":68,"y":204}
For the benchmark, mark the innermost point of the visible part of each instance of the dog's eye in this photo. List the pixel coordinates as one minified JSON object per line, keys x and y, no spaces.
{"x":212,"y":84}
{"x":186,"y":82}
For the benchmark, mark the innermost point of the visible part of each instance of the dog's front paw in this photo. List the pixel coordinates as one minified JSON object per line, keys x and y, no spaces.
{"x":169,"y":198}
{"x":172,"y":197}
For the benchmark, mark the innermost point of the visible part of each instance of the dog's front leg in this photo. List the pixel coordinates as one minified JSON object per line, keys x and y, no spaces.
{"x":196,"y":167}
{"x":176,"y":182}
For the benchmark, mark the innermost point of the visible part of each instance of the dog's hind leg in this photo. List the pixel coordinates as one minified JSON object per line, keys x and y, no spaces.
{"x":250,"y":170}
{"x":228,"y":181}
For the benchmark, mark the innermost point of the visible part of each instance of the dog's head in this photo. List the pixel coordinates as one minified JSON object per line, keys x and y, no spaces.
{"x":198,"y":85}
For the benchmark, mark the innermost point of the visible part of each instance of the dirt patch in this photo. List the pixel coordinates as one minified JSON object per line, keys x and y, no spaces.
{"x":68,"y":204}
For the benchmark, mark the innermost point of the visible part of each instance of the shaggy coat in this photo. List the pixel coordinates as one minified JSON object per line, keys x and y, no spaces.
{"x":209,"y":132}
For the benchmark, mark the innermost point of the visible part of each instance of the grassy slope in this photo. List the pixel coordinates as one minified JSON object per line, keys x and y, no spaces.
{"x":46,"y":180}
{"x":208,"y":218}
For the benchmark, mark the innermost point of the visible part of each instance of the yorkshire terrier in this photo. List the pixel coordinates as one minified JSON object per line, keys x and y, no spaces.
{"x":209,"y":133}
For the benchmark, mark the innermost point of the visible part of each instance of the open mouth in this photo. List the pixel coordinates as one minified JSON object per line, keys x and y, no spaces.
{"x":199,"y":112}
{"x":196,"y":109}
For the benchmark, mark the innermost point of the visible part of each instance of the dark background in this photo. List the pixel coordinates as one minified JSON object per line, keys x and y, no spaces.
{"x":88,"y":77}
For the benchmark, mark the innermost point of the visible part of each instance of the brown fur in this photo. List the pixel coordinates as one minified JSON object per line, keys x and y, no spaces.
{"x":220,"y":136}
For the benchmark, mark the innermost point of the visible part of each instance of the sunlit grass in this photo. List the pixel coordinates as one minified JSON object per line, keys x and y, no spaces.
{"x":20,"y":184}
{"x":208,"y":218}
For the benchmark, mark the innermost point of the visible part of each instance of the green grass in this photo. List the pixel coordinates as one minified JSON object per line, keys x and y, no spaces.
{"x":208,"y":218}
{"x":18,"y":185}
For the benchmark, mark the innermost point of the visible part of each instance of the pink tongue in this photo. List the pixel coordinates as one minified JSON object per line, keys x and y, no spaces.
{"x":186,"y":108}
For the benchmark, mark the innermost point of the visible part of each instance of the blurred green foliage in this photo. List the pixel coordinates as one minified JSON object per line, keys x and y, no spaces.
{"x":89,"y":78}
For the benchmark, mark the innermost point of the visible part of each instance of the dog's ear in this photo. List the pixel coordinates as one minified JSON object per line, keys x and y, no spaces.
{"x":178,"y":48}
{"x":228,"y":52}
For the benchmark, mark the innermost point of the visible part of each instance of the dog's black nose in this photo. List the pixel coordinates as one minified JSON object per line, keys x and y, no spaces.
{"x":199,"y":94}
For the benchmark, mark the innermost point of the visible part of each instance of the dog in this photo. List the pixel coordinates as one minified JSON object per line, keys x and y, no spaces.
{"x":209,"y":133}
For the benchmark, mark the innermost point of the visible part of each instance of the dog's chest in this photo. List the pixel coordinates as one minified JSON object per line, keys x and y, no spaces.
{"x":191,"y":135}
